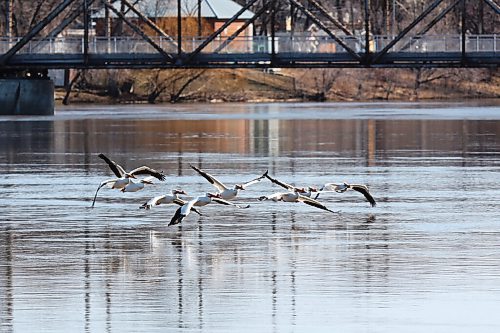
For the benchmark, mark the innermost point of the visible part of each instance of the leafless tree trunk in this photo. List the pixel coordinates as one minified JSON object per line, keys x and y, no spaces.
{"x":156,"y":86}
{"x":69,"y":86}
{"x":427,"y":75}
{"x":175,"y":97}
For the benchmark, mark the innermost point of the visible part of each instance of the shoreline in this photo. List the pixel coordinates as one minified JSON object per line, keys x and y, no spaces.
{"x":254,"y":86}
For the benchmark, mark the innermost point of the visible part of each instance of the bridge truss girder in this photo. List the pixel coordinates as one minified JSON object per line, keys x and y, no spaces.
{"x":386,"y":57}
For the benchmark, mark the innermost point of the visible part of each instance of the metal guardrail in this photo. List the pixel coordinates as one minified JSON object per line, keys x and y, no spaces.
{"x":256,"y":44}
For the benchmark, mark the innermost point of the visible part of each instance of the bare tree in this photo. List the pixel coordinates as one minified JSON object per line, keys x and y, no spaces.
{"x":425,"y":76}
{"x":175,"y":82}
{"x":318,"y":82}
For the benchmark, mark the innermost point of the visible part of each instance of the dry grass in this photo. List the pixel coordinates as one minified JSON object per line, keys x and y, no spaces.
{"x":257,"y":85}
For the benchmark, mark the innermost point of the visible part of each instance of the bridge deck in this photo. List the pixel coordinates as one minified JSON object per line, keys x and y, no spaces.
{"x":245,"y":60}
{"x":304,"y":52}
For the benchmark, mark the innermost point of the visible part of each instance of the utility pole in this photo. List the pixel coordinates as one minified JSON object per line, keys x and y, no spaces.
{"x":179,"y":28}
{"x":199,"y":18}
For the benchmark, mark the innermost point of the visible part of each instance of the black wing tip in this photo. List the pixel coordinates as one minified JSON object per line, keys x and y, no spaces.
{"x":176,"y":220}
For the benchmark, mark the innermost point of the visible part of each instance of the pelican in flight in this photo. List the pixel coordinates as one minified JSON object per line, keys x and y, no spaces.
{"x":124,"y":178}
{"x":165,"y":199}
{"x":225,"y":192}
{"x":296,"y":197}
{"x":131,"y":186}
{"x":341,"y":188}
{"x":200,"y":201}
{"x":306,"y":192}
{"x":121,"y":173}
{"x":168,"y":199}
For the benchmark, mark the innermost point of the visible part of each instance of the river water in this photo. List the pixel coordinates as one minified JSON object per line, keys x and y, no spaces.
{"x":425,"y":259}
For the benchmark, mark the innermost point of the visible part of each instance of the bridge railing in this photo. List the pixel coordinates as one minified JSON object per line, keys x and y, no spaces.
{"x":255,"y":44}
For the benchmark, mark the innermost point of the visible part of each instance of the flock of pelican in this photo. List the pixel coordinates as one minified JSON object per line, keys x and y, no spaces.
{"x":128,"y":182}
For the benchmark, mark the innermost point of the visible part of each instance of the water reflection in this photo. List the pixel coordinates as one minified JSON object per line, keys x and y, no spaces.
{"x":429,"y":245}
{"x":6,"y":287}
{"x":74,"y":142}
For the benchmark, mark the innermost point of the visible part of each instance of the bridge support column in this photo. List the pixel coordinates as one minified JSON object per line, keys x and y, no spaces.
{"x":26,"y":93}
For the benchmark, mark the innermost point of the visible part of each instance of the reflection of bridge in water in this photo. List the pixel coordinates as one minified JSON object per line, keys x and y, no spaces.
{"x":257,"y":51}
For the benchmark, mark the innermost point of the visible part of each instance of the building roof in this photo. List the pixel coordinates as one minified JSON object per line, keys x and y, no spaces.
{"x":218,"y":9}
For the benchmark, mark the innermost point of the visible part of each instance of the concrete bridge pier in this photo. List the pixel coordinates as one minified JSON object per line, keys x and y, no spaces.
{"x":26,"y":93}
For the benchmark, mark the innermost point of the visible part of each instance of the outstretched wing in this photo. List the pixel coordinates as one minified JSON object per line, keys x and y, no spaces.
{"x":364,"y":190}
{"x":101,"y":185}
{"x":155,"y":201}
{"x":331,"y":187}
{"x":177,"y":218}
{"x":253,"y":181}
{"x":280,"y":183}
{"x":144,"y":170}
{"x":314,"y":203}
{"x":211,"y":179}
{"x":227,"y":203}
{"x":115,"y":167}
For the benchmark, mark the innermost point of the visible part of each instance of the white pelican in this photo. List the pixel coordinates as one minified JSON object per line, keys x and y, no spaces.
{"x":137,"y":186}
{"x":121,"y":173}
{"x":225,"y":192}
{"x":200,"y":201}
{"x":168,"y":199}
{"x":341,"y":188}
{"x":165,"y":199}
{"x":124,"y":178}
{"x":296,"y":197}
{"x":125,"y":184}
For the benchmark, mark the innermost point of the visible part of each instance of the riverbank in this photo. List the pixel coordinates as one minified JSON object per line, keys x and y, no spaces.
{"x":253,"y":85}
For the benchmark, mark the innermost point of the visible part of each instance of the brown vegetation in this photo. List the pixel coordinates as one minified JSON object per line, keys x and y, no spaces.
{"x":227,"y":85}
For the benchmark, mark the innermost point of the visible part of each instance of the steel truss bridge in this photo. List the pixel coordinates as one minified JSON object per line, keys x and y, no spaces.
{"x":335,"y":46}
